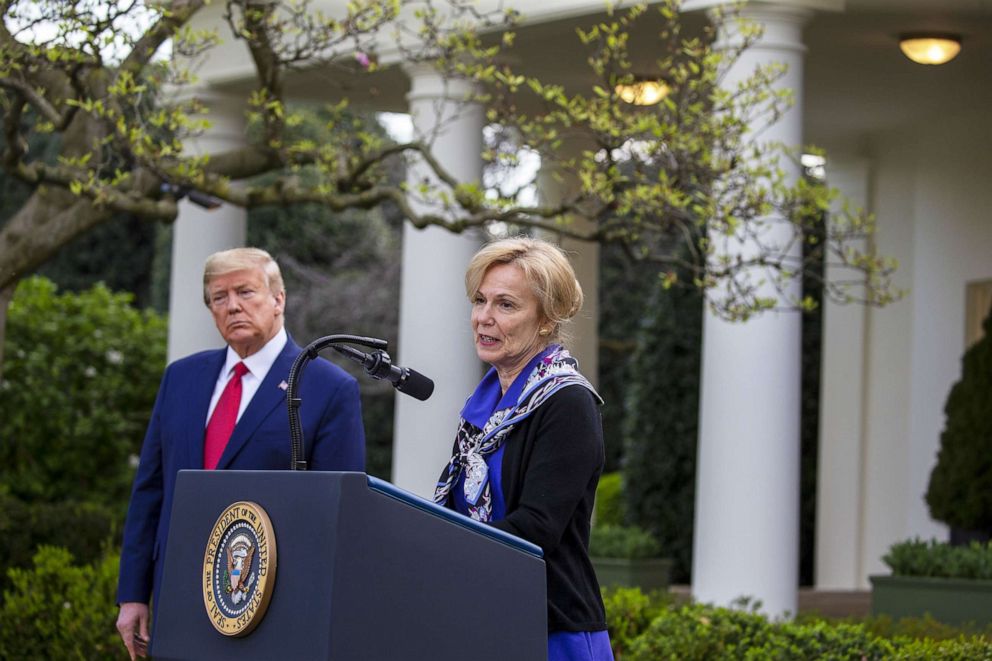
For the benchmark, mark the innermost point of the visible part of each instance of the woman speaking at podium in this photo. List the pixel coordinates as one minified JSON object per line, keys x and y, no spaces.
{"x":529,"y":448}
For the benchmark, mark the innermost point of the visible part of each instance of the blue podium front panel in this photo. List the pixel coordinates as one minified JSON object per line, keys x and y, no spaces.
{"x":365,"y":571}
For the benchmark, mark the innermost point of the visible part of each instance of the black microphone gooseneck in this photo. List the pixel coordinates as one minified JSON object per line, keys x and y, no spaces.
{"x":377,"y":364}
{"x":297,"y":461}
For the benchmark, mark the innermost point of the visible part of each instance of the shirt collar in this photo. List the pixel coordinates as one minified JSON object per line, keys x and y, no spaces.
{"x":260,"y":362}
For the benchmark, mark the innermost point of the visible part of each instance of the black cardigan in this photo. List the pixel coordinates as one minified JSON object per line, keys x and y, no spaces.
{"x":551,"y":467}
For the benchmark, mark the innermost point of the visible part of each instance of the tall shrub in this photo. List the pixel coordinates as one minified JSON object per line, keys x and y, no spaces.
{"x":624,"y":289}
{"x":960,"y":491}
{"x":84,"y":529}
{"x":59,"y":610}
{"x":80,"y":376}
{"x":341,"y":270}
{"x":661,"y":425}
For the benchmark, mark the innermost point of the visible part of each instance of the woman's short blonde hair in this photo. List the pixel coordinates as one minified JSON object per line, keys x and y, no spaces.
{"x":546,"y":269}
{"x":239,"y":259}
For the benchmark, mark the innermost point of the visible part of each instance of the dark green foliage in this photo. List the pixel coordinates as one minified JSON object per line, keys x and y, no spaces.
{"x":628,"y":614}
{"x":624,"y":287}
{"x":377,"y":414}
{"x":920,"y":628}
{"x":342,"y":276}
{"x":628,"y":542}
{"x":609,"y":500}
{"x":661,"y":426}
{"x":809,"y":420}
{"x":83,"y":528}
{"x":119,"y":254}
{"x":705,"y":632}
{"x":655,"y":628}
{"x":919,"y":558}
{"x":80,"y":376}
{"x":960,"y":491}
{"x":14,"y":192}
{"x":57,"y":610}
{"x":961,"y":649}
{"x":161,"y":269}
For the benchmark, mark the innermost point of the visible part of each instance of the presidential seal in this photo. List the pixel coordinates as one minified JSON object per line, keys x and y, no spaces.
{"x":239,"y":569}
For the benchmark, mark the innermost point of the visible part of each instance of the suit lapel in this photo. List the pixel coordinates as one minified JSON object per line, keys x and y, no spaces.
{"x":201,"y":391}
{"x":268,"y":396}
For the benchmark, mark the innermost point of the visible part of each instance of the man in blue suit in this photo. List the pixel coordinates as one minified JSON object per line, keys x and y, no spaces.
{"x":226,"y":409}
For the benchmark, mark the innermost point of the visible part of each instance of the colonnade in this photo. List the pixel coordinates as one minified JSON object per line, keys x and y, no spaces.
{"x":746,"y":531}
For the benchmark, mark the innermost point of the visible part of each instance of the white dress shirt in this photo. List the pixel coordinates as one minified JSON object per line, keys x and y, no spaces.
{"x":258,"y":364}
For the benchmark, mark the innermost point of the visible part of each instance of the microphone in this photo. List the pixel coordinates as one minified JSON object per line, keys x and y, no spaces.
{"x":379,"y":365}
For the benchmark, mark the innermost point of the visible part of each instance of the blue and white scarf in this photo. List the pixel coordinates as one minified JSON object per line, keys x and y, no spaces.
{"x":553,"y":372}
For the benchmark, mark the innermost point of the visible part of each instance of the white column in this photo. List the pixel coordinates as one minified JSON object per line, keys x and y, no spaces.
{"x":747,"y":491}
{"x":555,"y":185}
{"x":198,"y":233}
{"x":435,"y":336}
{"x":840,"y":466}
{"x":585,"y":326}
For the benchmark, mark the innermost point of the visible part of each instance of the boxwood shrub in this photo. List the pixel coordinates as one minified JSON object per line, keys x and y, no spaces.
{"x":60,"y":610}
{"x":609,"y":500}
{"x":916,"y":557}
{"x":628,"y":542}
{"x":85,"y":529}
{"x":653,"y":628}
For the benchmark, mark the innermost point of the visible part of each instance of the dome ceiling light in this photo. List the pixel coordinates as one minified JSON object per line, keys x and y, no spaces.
{"x":930,"y":48}
{"x":642,"y":92}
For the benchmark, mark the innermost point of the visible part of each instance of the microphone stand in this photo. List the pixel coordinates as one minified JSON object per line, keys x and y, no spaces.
{"x":309,"y":353}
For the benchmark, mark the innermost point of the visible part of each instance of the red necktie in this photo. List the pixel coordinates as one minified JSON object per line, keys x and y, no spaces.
{"x":224,"y":417}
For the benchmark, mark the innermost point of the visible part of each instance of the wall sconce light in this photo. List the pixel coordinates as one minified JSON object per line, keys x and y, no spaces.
{"x":930,"y":48}
{"x":642,"y":92}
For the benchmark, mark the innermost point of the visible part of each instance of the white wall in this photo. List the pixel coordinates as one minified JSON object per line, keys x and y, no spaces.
{"x":841,"y":451}
{"x":888,"y":336}
{"x":928,"y":186}
{"x":953,"y":246}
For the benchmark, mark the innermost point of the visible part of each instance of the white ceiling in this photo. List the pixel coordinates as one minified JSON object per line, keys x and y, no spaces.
{"x":857,"y":82}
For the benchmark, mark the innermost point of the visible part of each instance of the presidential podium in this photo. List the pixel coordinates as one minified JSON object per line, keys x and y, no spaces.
{"x":325,"y":565}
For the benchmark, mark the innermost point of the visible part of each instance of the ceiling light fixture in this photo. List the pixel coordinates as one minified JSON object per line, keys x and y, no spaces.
{"x":930,"y":48}
{"x":642,"y":92}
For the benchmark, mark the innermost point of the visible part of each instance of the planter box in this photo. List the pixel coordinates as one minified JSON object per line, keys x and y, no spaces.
{"x":950,"y":600}
{"x":646,"y":574}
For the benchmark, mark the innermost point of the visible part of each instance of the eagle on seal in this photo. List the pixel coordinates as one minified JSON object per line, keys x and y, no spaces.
{"x":239,"y":555}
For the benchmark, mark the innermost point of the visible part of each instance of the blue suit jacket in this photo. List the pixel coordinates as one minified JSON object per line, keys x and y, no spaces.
{"x":333,"y":440}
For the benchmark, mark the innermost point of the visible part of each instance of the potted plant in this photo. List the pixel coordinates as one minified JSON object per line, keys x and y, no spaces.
{"x":951,"y":583}
{"x":628,"y":556}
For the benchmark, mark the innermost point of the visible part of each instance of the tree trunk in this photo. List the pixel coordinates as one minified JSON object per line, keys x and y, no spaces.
{"x":6,"y":294}
{"x":45,"y":223}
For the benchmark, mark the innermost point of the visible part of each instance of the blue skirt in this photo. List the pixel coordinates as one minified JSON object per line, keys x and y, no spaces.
{"x":579,"y":646}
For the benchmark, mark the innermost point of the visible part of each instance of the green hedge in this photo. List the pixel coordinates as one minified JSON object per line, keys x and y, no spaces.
{"x":58,"y":610}
{"x":628,"y":542}
{"x":919,"y":558}
{"x":661,"y":425}
{"x":920,"y":628}
{"x":609,"y":501}
{"x":629,"y":612}
{"x":706,"y":632}
{"x":84,"y":528}
{"x":653,"y":628}
{"x":80,"y":376}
